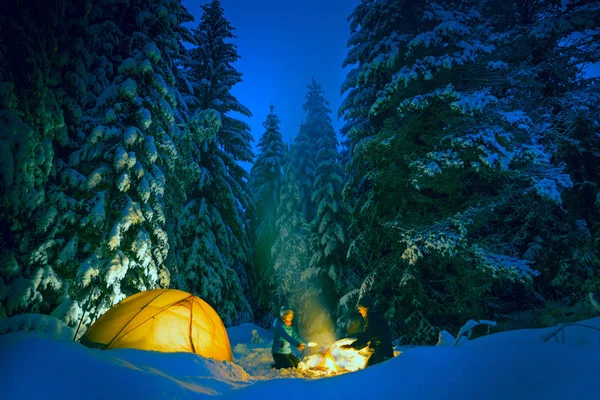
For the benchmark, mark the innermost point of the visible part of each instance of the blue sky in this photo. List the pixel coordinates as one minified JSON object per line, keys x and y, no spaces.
{"x":282,"y":44}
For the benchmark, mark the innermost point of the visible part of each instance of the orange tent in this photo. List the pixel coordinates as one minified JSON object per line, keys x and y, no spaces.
{"x":166,"y":320}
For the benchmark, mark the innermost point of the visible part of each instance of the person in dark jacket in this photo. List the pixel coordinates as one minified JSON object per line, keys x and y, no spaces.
{"x":284,"y":335}
{"x":375,"y":333}
{"x":354,"y":324}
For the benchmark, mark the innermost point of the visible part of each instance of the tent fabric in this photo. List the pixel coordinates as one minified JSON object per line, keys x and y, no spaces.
{"x":166,"y":320}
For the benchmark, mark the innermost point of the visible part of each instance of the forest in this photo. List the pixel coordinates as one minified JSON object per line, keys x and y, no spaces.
{"x":463,"y":184}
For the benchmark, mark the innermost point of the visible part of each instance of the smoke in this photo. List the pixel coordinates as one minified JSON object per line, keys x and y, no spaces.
{"x":317,"y":323}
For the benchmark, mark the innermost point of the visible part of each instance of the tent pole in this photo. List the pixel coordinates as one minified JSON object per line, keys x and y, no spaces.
{"x":86,"y":307}
{"x":98,"y":306}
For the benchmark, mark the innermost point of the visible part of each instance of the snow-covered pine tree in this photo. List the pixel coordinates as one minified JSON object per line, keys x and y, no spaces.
{"x":450,"y":149}
{"x":266,"y":177}
{"x":122,"y":150}
{"x":328,"y":226}
{"x":375,"y":28}
{"x":556,"y":42}
{"x":104,"y":227}
{"x":305,"y":147}
{"x":212,"y":228}
{"x":303,"y":158}
{"x":290,"y":253}
{"x":31,"y":120}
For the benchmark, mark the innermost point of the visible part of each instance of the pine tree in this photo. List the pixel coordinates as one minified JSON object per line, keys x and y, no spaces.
{"x":556,"y":49}
{"x":375,"y":29}
{"x":122,"y":150}
{"x":219,"y":195}
{"x":31,"y":120}
{"x":303,"y":158}
{"x":446,"y":168}
{"x":328,"y":225}
{"x":290,"y":252}
{"x":266,"y":178}
{"x":305,"y":148}
{"x":104,"y":230}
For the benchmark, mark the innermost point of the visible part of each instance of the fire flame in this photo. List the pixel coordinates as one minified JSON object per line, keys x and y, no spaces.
{"x":335,"y":360}
{"x":330,"y":362}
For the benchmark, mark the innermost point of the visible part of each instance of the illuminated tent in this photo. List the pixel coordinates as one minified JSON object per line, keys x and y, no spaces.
{"x":165,"y":320}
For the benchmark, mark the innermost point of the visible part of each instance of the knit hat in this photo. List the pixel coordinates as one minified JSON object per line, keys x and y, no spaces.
{"x":285,"y":310}
{"x":365,"y":302}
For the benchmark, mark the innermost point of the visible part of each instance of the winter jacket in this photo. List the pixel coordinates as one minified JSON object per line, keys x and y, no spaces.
{"x":283,"y":336}
{"x":376,"y":334}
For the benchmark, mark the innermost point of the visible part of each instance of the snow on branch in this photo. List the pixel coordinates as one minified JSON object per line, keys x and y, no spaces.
{"x":445,"y":237}
{"x":500,"y":264}
{"x":560,"y":328}
{"x":42,"y":324}
{"x":468,"y":328}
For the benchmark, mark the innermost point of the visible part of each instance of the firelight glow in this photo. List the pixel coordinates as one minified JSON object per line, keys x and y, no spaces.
{"x":335,"y":361}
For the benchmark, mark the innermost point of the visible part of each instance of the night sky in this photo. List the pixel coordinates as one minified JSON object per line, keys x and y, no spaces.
{"x":282,"y":44}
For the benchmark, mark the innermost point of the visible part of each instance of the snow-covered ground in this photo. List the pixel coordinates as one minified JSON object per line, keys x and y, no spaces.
{"x":38,"y":361}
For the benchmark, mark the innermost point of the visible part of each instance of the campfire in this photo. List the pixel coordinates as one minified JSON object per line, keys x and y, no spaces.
{"x":334,"y":360}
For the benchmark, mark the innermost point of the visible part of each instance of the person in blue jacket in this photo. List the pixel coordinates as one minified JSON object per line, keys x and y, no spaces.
{"x":284,"y":336}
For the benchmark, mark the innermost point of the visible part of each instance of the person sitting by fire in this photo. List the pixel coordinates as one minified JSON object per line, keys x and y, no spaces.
{"x":285,"y":335}
{"x":375,"y":333}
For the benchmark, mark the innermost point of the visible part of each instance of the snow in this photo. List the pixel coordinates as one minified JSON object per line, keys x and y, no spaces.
{"x":120,"y":160}
{"x":70,"y":312}
{"x":128,"y":66}
{"x":123,"y":182}
{"x":42,"y":325}
{"x":471,"y":103}
{"x":88,"y":270}
{"x":110,"y":116}
{"x":499,"y":263}
{"x":115,"y":236}
{"x":137,"y":374}
{"x":130,"y":136}
{"x":454,"y":373}
{"x":152,"y":52}
{"x":140,"y":247}
{"x":552,"y":188}
{"x":98,"y":212}
{"x":497,"y":65}
{"x":144,"y":189}
{"x":468,"y":328}
{"x":150,"y":148}
{"x":128,"y":88}
{"x":145,"y":66}
{"x":243,"y":333}
{"x":69,"y":251}
{"x":73,"y":178}
{"x":145,"y":117}
{"x":96,"y":177}
{"x":46,"y":220}
{"x":516,"y":364}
